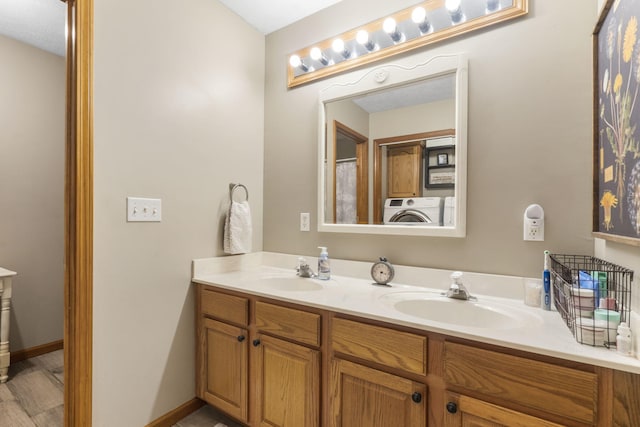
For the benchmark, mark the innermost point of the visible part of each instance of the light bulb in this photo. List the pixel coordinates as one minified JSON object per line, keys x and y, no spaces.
{"x":317,"y":55}
{"x":419,"y":17}
{"x":492,"y":6}
{"x":338,"y":47}
{"x":452,"y":5}
{"x":389,"y":25}
{"x":455,"y":11}
{"x":362,"y":37}
{"x":295,"y":61}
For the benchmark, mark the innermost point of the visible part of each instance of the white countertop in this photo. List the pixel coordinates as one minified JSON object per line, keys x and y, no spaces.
{"x":350,"y":291}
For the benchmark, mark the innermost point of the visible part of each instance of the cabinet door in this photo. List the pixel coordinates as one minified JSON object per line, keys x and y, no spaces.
{"x":365,"y":397}
{"x":224,"y":357}
{"x":287,"y":379}
{"x":403,"y":176}
{"x":464,"y":411}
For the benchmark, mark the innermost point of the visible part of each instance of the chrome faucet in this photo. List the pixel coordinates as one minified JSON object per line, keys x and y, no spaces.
{"x":303,"y":269}
{"x":457,"y":290}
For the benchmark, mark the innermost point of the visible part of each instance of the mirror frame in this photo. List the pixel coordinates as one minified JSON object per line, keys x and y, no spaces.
{"x":387,"y":76}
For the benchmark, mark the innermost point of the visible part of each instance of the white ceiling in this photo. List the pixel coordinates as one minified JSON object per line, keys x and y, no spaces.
{"x":41,"y":23}
{"x":424,"y":92}
{"x":271,"y":15}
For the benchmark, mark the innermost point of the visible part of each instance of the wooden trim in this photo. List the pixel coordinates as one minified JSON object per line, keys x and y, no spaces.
{"x":362,"y":179}
{"x":377,"y":164}
{"x":38,"y":350}
{"x":615,"y":238}
{"x":175,"y":415}
{"x":362,"y":182}
{"x":78,"y":267}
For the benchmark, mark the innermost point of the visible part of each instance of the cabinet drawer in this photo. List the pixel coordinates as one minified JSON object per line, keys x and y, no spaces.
{"x":288,"y":323}
{"x":396,"y":349}
{"x":558,"y":390}
{"x":225,"y":307}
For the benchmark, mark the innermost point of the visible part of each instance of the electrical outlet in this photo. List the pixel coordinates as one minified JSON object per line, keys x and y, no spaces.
{"x":534,"y":223}
{"x":304,"y":221}
{"x":534,"y":229}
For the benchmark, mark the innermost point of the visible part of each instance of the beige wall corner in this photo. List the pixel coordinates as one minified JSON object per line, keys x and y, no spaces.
{"x":32,"y":84}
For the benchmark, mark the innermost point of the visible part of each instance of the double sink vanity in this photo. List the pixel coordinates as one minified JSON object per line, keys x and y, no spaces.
{"x":279,"y":350}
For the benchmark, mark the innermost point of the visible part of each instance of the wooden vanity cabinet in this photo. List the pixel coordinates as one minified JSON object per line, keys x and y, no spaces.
{"x":268,"y":363}
{"x":559,"y":391}
{"x":263,"y":372}
{"x":371,"y":391}
{"x":223,"y":350}
{"x":465,"y":411}
{"x":286,"y":373}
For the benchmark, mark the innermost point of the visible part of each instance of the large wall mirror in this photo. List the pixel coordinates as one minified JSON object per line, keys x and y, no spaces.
{"x":392,"y":149}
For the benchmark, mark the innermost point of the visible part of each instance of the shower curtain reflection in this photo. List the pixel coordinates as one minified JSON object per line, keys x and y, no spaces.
{"x":346,"y":192}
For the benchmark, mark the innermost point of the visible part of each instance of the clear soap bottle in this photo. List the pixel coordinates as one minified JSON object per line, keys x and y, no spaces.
{"x":324,"y":268}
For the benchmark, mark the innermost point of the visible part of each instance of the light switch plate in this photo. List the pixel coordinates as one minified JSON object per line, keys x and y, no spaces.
{"x":141,"y":209}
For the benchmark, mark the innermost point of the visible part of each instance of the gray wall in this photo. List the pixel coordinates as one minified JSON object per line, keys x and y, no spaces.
{"x":179,"y":99}
{"x":529,"y":141}
{"x":32,"y":93}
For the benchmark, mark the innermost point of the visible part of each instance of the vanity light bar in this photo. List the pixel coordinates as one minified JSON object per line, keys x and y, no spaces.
{"x":427,"y":22}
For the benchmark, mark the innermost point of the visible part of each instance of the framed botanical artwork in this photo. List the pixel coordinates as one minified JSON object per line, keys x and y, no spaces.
{"x":616,"y":166}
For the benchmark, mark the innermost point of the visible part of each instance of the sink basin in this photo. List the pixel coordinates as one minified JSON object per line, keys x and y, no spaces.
{"x":476,"y":314}
{"x":289,"y":284}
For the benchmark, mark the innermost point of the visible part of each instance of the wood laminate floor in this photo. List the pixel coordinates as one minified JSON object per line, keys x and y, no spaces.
{"x":34,"y":396}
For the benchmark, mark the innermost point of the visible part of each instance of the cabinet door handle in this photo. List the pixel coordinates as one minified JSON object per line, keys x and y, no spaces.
{"x":452,"y":408}
{"x":241,"y":338}
{"x":416,"y":397}
{"x":256,"y":342}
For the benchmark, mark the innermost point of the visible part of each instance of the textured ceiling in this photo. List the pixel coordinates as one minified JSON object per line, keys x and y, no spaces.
{"x":40,"y":23}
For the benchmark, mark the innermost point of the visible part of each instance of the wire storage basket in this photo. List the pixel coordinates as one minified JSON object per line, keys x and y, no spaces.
{"x":592,"y":295}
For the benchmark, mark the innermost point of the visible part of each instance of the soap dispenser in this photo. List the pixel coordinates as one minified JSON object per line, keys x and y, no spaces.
{"x":324,"y":269}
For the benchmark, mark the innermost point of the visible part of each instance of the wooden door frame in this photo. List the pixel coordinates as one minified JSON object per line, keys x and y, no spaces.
{"x":78,"y":216}
{"x":377,"y":163}
{"x":362,"y":178}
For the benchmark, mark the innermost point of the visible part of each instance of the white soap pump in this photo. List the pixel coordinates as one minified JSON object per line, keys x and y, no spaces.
{"x":324,"y":268}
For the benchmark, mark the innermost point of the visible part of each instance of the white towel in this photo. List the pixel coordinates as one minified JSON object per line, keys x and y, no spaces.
{"x":237,"y":229}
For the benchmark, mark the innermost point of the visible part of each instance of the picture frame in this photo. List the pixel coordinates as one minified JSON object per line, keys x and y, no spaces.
{"x":616,"y":123}
{"x":443,"y":159}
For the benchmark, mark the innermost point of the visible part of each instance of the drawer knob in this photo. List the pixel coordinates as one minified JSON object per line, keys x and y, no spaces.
{"x":241,"y":338}
{"x":256,"y":342}
{"x":416,"y":397}
{"x":452,"y":408}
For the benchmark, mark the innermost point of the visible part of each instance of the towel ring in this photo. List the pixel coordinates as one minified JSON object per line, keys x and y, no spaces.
{"x":234,"y":187}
